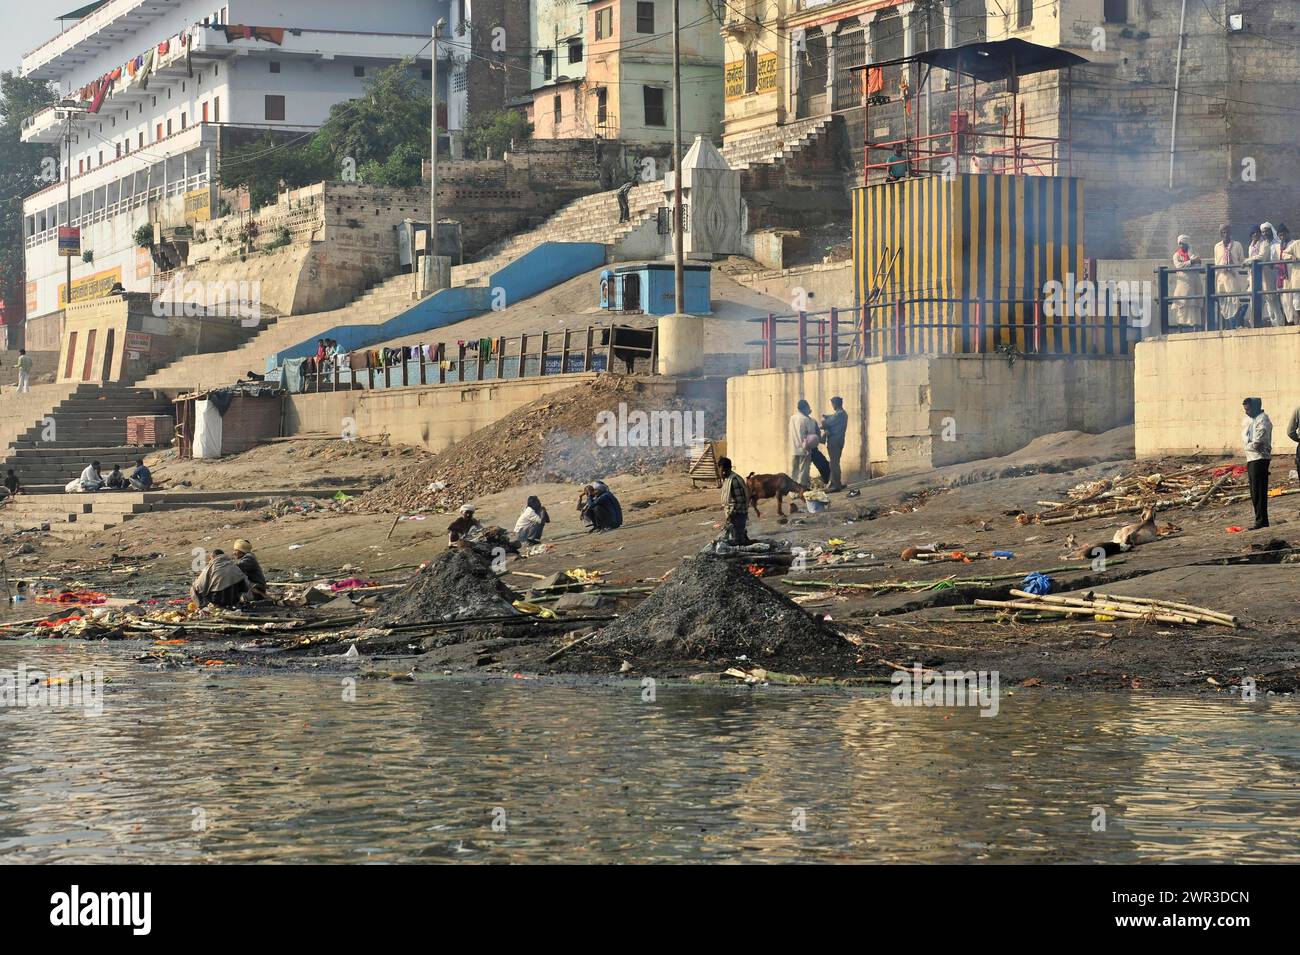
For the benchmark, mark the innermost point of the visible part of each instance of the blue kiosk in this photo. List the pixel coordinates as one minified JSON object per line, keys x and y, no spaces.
{"x":649,"y":289}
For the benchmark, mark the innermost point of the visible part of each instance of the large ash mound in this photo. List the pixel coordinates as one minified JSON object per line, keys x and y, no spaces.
{"x":711,"y":608}
{"x":458,"y":585}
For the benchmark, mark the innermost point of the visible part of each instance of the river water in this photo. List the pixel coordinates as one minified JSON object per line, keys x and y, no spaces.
{"x":225,"y":766}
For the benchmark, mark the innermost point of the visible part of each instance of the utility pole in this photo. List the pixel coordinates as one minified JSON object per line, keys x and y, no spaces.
{"x":67,"y":138}
{"x":433,"y":152}
{"x":679,"y":271}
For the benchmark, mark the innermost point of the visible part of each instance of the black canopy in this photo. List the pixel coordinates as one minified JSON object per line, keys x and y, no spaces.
{"x":995,"y":60}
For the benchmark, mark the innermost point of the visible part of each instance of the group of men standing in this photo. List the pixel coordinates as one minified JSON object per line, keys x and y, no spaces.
{"x":1275,"y":248}
{"x":806,"y":439}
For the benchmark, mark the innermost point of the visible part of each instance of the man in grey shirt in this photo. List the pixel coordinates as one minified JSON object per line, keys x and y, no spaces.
{"x":1257,"y":435}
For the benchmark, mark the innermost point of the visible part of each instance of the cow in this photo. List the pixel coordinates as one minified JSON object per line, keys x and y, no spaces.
{"x":763,"y":486}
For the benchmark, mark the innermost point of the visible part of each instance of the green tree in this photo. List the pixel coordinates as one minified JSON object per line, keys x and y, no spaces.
{"x":22,"y":166}
{"x":265,"y":167}
{"x":493,"y":133}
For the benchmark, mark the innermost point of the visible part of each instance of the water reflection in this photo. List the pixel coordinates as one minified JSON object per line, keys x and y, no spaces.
{"x":218,"y":766}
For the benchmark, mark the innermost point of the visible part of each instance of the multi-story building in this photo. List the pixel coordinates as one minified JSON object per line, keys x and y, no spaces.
{"x":163,"y":87}
{"x":625,"y":90}
{"x":1177,"y":122}
{"x":557,"y":67}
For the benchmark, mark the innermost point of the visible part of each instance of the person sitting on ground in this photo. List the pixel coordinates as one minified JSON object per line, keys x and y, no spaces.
{"x":12,"y":484}
{"x":246,"y":562}
{"x":220,"y":583}
{"x":599,"y":508}
{"x":532,"y":520}
{"x":91,"y":479}
{"x":461,"y":527}
{"x":116,"y":479}
{"x":735,"y":505}
{"x":141,"y":479}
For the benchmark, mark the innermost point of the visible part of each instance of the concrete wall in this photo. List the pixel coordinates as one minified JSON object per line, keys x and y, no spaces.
{"x":929,"y":411}
{"x":1188,"y":389}
{"x":433,"y":417}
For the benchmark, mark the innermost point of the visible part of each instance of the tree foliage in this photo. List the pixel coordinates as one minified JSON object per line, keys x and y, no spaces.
{"x":493,"y":133}
{"x":21,"y":171}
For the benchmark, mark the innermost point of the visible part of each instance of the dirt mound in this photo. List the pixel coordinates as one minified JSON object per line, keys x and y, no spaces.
{"x":553,"y":439}
{"x":457,"y":585}
{"x":713,"y":609}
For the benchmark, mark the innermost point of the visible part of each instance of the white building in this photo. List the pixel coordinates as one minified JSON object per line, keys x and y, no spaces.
{"x":170,"y":84}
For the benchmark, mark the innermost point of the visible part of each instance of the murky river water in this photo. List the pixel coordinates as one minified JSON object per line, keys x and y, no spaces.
{"x":229,"y":767}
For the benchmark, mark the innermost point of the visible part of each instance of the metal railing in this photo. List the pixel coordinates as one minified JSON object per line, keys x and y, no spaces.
{"x":930,"y":325}
{"x":597,"y":349}
{"x":1258,"y":301}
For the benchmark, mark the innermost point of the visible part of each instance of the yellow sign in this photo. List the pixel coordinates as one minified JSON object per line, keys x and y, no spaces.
{"x":143,"y":263}
{"x":91,"y":287}
{"x":767,"y":72}
{"x":733,"y":80}
{"x":32,"y":303}
{"x":198,"y":205}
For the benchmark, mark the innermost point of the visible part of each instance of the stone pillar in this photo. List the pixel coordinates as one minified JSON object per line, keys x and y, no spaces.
{"x":828,"y":31}
{"x":868,"y":21}
{"x":950,"y":24}
{"x":908,"y":12}
{"x":681,"y":345}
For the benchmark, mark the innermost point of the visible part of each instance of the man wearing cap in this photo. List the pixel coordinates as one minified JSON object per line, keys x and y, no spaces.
{"x":1186,"y":286}
{"x":246,"y":562}
{"x":1268,"y":250}
{"x":1258,"y":439}
{"x":460,"y":528}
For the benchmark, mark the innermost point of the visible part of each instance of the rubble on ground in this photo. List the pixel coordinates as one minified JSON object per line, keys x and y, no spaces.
{"x":553,"y":439}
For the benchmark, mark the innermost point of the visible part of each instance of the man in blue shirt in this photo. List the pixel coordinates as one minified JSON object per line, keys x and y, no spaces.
{"x":141,"y":479}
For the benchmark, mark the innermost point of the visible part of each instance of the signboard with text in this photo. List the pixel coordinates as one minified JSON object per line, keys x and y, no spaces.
{"x":69,"y":241}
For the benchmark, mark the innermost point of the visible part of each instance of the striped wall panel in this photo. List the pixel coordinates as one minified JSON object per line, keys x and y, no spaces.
{"x":949,"y":248}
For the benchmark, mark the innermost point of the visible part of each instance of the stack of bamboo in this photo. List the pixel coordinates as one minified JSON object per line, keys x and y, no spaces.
{"x":1093,"y":604}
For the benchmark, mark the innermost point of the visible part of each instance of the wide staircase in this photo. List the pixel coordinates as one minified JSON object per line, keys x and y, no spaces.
{"x":380,"y":303}
{"x":774,"y":145}
{"x":596,"y":218}
{"x":88,"y":425}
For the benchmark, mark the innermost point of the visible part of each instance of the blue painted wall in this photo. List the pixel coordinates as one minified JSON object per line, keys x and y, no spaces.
{"x":535,"y":271}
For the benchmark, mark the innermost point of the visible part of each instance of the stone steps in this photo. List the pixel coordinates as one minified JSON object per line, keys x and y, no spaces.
{"x":595,"y":218}
{"x":373,"y":307}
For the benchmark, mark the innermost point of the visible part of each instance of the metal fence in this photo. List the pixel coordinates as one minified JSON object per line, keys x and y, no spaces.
{"x":597,"y":348}
{"x":1255,"y":295}
{"x":929,"y":325}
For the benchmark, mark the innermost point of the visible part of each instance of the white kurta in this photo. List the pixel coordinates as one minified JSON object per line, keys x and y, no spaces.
{"x":1291,"y":301}
{"x":1268,"y":252}
{"x":1187,"y":312}
{"x":1228,"y":281}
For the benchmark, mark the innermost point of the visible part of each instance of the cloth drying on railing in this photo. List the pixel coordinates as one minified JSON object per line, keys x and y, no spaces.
{"x":239,"y":31}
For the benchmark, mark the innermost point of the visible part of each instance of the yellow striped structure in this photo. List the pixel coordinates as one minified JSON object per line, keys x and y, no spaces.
{"x":945,"y":250}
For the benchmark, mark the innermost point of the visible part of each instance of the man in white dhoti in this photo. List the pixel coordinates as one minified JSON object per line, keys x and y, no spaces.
{"x":1186,"y":311}
{"x":1268,"y":251}
{"x":1228,"y":281}
{"x":1291,"y":281}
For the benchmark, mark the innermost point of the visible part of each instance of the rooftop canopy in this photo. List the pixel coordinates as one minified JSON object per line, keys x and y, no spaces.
{"x":82,"y":12}
{"x":995,"y":60}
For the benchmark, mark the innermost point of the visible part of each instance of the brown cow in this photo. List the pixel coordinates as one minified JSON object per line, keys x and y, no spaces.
{"x":763,"y":486}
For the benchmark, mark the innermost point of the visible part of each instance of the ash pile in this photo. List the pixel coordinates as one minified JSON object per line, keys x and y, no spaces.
{"x":712,"y":609}
{"x":458,"y":585}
